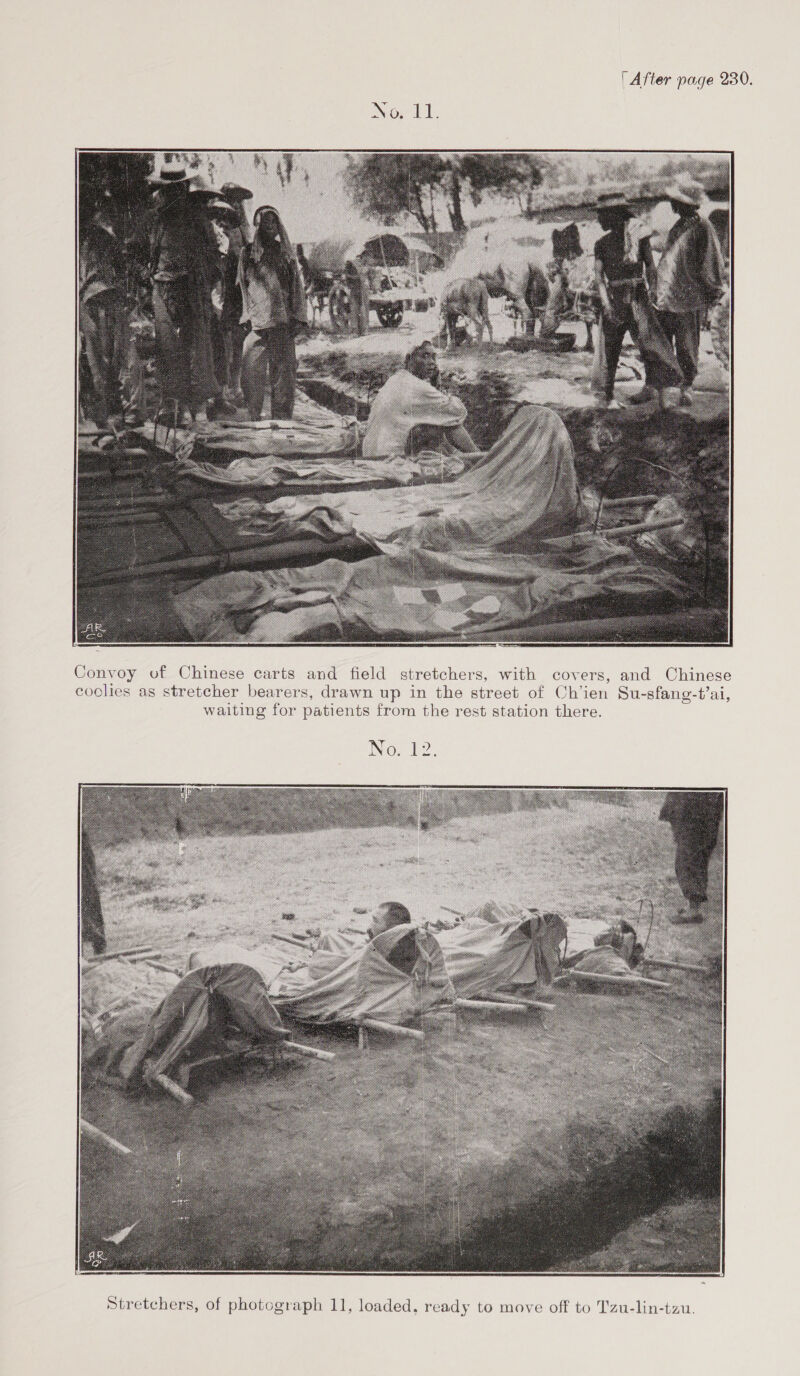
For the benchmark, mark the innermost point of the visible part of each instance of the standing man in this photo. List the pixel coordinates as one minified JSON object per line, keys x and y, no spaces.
{"x":101,"y":305}
{"x":274,"y":303}
{"x":233,"y":331}
{"x":695,"y":819}
{"x":690,"y":277}
{"x":93,"y":932}
{"x":624,"y":277}
{"x":183,"y":255}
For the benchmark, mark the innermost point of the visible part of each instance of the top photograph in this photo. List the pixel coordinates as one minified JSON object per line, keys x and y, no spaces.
{"x":387,"y":398}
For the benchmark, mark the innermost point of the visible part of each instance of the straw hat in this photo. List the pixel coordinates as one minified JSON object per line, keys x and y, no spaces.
{"x":202,"y":187}
{"x":171,"y":174}
{"x":613,"y":200}
{"x":235,"y":193}
{"x":686,"y":192}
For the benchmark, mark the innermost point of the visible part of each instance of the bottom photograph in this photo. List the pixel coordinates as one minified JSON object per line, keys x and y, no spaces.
{"x":401,"y":1030}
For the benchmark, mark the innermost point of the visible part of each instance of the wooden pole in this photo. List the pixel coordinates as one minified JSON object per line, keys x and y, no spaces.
{"x":169,"y":1087}
{"x":529,"y":1003}
{"x":612,"y":979}
{"x":310,"y":1051}
{"x":493,"y":1005}
{"x":640,"y":526}
{"x":392,"y":1028}
{"x":128,"y":951}
{"x":263,"y":555}
{"x":95,"y":1135}
{"x":630,"y":501}
{"x":675,"y":965}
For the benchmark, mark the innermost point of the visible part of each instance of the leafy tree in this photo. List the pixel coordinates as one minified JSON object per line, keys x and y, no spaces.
{"x":387,"y":186}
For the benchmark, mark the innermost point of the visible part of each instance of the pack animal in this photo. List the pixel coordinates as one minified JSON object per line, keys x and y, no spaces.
{"x":468,"y":297}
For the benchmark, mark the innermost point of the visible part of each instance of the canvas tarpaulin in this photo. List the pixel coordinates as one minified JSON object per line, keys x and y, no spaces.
{"x":523,"y":489}
{"x":366,"y":984}
{"x":209,"y":1000}
{"x":500,"y":945}
{"x":422,"y":595}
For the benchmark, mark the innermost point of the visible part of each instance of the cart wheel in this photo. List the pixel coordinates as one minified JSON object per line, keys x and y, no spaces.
{"x":339,"y":306}
{"x":390,"y":315}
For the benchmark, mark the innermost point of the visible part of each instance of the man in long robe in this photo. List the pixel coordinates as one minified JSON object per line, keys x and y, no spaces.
{"x":274,"y":304}
{"x":183,"y":267}
{"x":102,"y":313}
{"x":690,"y":277}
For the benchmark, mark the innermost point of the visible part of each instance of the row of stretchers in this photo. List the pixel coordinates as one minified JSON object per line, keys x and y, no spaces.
{"x":147,"y":1026}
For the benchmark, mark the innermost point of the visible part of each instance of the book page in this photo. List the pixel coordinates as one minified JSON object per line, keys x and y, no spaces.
{"x":396,"y":472}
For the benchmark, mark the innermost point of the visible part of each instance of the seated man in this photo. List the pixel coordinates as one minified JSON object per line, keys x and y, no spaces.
{"x":387,"y":915}
{"x":409,"y":400}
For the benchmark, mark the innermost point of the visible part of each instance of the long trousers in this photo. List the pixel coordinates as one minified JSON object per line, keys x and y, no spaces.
{"x":683,"y":333}
{"x":269,"y":351}
{"x":695,"y":819}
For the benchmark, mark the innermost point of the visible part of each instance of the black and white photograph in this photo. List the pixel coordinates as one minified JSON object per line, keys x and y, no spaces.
{"x":401,"y":1030}
{"x":402,"y":397}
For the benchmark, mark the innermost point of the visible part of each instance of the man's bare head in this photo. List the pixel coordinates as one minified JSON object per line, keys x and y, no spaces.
{"x":386,"y":916}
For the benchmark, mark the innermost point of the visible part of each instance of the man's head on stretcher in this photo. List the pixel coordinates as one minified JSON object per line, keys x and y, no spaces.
{"x":403,"y":954}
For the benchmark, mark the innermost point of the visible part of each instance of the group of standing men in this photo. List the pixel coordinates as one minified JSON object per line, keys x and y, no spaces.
{"x":662,"y":305}
{"x":227,"y":303}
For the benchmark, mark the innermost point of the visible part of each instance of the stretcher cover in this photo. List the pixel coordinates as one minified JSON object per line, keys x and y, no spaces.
{"x":423,"y":595}
{"x":365,"y":984}
{"x":500,"y":946}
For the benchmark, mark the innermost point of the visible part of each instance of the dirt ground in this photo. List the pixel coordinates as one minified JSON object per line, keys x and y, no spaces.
{"x":508,"y":1143}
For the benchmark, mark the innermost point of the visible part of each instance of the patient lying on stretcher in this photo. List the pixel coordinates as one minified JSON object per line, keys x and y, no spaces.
{"x":410,"y":413}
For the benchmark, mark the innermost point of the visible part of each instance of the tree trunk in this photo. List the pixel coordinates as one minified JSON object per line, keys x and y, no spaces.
{"x":419,"y":213}
{"x":433,"y":210}
{"x":456,"y":216}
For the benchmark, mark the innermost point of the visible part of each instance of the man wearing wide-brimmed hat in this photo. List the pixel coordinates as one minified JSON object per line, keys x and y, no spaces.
{"x":690,"y":278}
{"x":183,"y":267}
{"x":624,"y":273}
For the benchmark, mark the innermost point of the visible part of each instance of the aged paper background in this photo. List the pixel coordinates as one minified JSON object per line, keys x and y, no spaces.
{"x":541,"y":75}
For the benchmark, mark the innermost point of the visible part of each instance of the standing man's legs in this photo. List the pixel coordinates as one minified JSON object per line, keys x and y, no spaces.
{"x":609,"y":347}
{"x":255,"y":361}
{"x":695,"y":819}
{"x":282,"y":371}
{"x":683,"y":332}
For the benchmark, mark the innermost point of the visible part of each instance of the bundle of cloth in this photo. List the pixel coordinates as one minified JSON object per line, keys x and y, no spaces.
{"x":117,"y":999}
{"x":313,"y":429}
{"x":266,"y":471}
{"x":603,"y":949}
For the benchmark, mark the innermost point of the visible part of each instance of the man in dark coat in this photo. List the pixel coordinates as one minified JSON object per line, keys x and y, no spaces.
{"x":695,"y":819}
{"x":93,"y":932}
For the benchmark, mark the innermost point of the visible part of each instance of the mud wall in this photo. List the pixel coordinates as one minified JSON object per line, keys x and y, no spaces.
{"x":115,"y":815}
